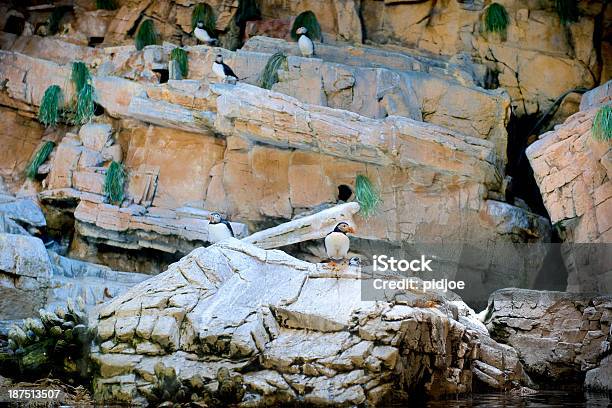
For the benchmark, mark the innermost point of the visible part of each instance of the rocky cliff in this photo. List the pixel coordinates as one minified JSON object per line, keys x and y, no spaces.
{"x":438,"y":111}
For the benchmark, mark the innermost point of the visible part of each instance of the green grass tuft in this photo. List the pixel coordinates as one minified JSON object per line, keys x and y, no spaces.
{"x":106,"y":5}
{"x":308,"y":20}
{"x":51,"y":106}
{"x":203,"y":12}
{"x":114,"y":182}
{"x":602,"y":124}
{"x":146,"y":35}
{"x":80,"y":75}
{"x":269,"y":76}
{"x":39,"y":158}
{"x":496,"y":19}
{"x":85,"y":105}
{"x":180,"y":56}
{"x":247,"y":10}
{"x":567,"y":10}
{"x":367,"y":196}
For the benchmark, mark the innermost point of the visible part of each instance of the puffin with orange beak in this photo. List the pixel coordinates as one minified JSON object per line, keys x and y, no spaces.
{"x":337,"y":243}
{"x":218,"y":228}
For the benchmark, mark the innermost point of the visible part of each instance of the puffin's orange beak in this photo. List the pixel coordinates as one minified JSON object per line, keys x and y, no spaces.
{"x":350,"y":230}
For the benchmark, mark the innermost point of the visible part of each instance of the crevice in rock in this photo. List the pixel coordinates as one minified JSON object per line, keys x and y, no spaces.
{"x":523,"y":185}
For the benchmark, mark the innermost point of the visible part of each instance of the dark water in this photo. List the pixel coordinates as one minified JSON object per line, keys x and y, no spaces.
{"x":544,"y":399}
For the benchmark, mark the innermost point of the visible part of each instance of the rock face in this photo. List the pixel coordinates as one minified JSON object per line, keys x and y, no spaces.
{"x":573,"y":172}
{"x":279,"y":156}
{"x":559,"y":336}
{"x":32,"y":277}
{"x":289,"y":331}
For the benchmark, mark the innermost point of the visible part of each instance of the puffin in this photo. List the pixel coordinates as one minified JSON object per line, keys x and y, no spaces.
{"x":304,"y":43}
{"x":202,"y":35}
{"x":218,"y":228}
{"x":223,"y":71}
{"x":337,"y":243}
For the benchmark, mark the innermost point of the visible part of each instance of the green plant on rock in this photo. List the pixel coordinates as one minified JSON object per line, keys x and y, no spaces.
{"x":56,"y":342}
{"x":602,"y":124}
{"x":247,"y":10}
{"x":496,"y":19}
{"x":146,"y":35}
{"x":180,"y":56}
{"x":269,"y":76}
{"x":80,"y":75}
{"x":114,"y":182}
{"x":567,"y":10}
{"x":51,"y":106}
{"x":367,"y":196}
{"x":308,"y":20}
{"x":204,"y":13}
{"x":39,"y":158}
{"x":85,"y":105}
{"x":106,"y":5}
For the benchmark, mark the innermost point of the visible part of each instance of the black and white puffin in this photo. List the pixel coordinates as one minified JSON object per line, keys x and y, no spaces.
{"x":305,"y":44}
{"x":218,"y":228}
{"x":202,"y":35}
{"x":223,"y":71}
{"x":337,"y":243}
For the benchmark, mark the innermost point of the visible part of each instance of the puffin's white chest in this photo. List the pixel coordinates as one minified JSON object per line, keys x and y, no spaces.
{"x":306,"y":46}
{"x":218,"y":232}
{"x":218,"y":70}
{"x":337,"y":245}
{"x":202,"y":35}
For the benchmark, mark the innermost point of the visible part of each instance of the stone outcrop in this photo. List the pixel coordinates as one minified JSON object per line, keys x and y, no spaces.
{"x":573,"y":171}
{"x":560,"y":337}
{"x":25,"y":270}
{"x":289,"y":331}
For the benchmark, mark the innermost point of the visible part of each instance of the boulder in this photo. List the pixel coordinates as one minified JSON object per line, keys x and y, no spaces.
{"x":600,"y":378}
{"x":573,"y":171}
{"x":229,"y":305}
{"x":95,"y":136}
{"x":559,"y":336}
{"x":25,"y":272}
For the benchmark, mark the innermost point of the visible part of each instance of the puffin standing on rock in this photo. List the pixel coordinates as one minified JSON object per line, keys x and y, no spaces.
{"x":202,"y":35}
{"x":337,"y":243}
{"x":218,"y":228}
{"x":304,"y":43}
{"x":223,"y":71}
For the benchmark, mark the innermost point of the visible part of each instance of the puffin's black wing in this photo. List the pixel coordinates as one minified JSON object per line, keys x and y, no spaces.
{"x":226,"y":222}
{"x":228,"y":72}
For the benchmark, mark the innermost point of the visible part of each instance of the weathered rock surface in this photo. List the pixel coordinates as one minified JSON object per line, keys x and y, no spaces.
{"x":279,"y":157}
{"x":559,"y":336}
{"x":292,"y":331}
{"x":25,"y":272}
{"x":32,"y":277}
{"x":573,"y":172}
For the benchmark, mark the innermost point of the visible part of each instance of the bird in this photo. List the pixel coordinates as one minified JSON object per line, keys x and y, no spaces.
{"x":223,"y":71}
{"x":202,"y":35}
{"x":355,"y":261}
{"x":218,"y":228}
{"x":337,"y":243}
{"x":304,"y":43}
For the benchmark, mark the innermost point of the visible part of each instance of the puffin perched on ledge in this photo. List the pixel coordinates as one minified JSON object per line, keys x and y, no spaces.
{"x":218,"y":228}
{"x":304,"y":43}
{"x":337,"y":243}
{"x":202,"y":35}
{"x":223,"y":71}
